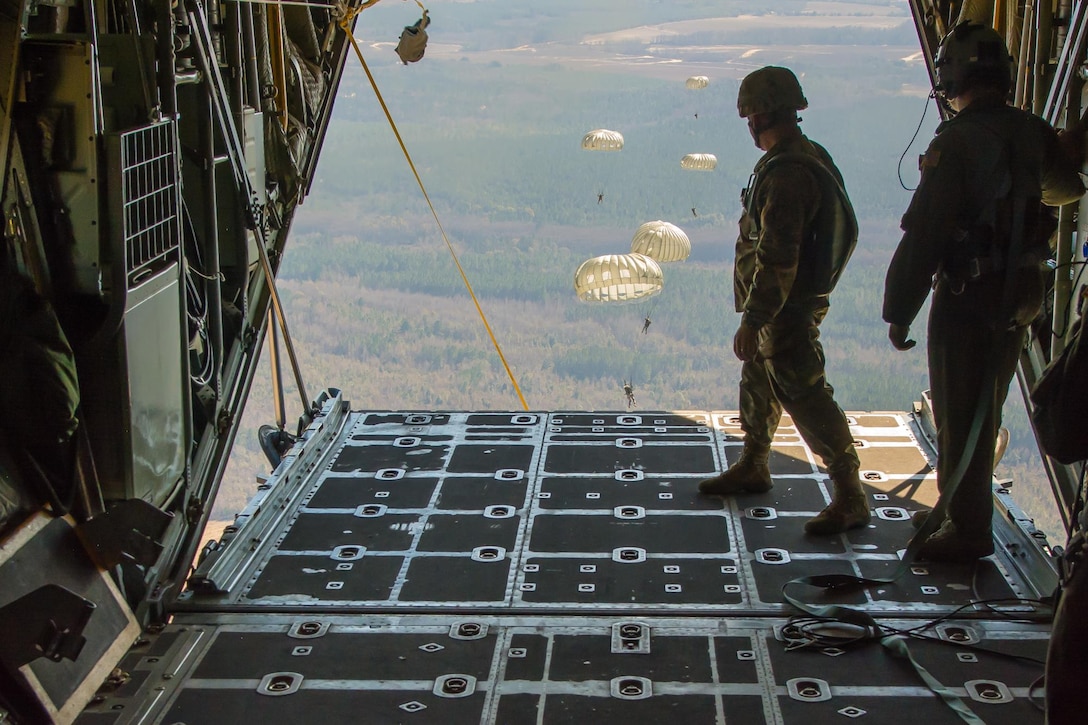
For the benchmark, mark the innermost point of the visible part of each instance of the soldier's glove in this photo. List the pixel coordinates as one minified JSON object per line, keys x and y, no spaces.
{"x":899,"y":334}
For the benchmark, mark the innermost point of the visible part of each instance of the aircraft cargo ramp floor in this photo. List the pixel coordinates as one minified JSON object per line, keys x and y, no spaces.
{"x":403,"y":567}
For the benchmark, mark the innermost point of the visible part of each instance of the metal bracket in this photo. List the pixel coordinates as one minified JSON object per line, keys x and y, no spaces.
{"x":630,"y":638}
{"x":129,"y":530}
{"x":47,"y":622}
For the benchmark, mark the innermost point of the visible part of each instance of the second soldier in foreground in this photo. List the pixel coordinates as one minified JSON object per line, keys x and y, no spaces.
{"x":976,"y":236}
{"x":796,"y":234}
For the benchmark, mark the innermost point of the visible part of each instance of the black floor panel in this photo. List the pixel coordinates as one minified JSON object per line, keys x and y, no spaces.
{"x":350,"y":493}
{"x":322,"y":577}
{"x":380,"y":529}
{"x":604,"y":581}
{"x":589,"y":508}
{"x":659,"y":533}
{"x":456,"y":579}
{"x":557,"y":568}
{"x":442,"y":669}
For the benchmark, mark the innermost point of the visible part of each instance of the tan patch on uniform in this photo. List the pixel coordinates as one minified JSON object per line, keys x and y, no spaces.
{"x":929,"y":159}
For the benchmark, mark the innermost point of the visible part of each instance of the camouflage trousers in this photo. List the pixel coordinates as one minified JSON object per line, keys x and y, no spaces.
{"x":789,"y":374}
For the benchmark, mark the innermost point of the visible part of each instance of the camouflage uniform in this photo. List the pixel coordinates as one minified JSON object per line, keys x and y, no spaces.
{"x":957,"y":229}
{"x":778,"y":295}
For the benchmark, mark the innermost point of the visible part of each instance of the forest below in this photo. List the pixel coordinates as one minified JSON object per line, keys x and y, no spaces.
{"x":377,"y":307}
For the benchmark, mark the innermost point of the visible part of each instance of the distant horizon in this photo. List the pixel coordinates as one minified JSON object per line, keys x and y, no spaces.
{"x":493,"y":116}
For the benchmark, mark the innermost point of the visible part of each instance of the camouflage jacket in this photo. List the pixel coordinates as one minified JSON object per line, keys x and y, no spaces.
{"x":773,"y":269}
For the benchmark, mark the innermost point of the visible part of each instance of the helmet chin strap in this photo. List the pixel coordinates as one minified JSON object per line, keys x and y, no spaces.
{"x":755,"y":129}
{"x":946,"y":105}
{"x":760,"y":122}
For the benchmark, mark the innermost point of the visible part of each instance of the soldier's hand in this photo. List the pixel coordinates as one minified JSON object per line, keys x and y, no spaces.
{"x":746,"y":343}
{"x":899,"y":335}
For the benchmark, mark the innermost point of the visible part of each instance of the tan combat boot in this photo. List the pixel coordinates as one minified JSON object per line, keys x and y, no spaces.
{"x":749,"y":474}
{"x":948,"y":544}
{"x":918,"y":518}
{"x":849,"y":507}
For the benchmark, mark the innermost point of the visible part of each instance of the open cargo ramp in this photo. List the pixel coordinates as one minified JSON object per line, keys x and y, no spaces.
{"x":452,"y":567}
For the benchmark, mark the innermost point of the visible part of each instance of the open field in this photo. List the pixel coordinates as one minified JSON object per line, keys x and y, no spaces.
{"x":722,"y":46}
{"x":493,"y":116}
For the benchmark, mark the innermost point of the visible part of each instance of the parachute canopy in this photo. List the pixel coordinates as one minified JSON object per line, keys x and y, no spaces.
{"x":661,"y":241}
{"x":618,"y":278}
{"x":602,"y":139}
{"x":699,"y":162}
{"x":696,"y":82}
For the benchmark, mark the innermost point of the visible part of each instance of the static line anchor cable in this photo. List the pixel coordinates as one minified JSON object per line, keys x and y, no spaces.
{"x":347,"y":16}
{"x":277,"y":307}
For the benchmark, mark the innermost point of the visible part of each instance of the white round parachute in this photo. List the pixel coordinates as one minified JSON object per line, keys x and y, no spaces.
{"x":661,"y":241}
{"x":618,"y":278}
{"x":602,"y":139}
{"x":696,"y":82}
{"x":699,"y":162}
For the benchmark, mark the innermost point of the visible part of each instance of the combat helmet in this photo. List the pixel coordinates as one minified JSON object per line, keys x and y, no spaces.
{"x":771,"y":88}
{"x":972,"y":54}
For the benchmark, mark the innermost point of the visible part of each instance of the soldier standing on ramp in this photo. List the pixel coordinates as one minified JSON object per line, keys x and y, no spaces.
{"x":796,"y":235}
{"x":976,"y":234}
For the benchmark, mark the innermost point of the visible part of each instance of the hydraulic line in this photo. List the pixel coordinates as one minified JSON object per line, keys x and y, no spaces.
{"x":277,"y":376}
{"x":277,"y":306}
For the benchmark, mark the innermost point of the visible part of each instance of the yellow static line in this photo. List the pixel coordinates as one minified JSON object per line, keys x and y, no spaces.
{"x":345,"y":24}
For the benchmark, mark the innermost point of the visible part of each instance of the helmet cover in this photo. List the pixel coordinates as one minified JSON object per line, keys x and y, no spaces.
{"x":771,"y":88}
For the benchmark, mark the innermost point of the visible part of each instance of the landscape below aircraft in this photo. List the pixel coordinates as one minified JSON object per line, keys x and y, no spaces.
{"x":417,"y":566}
